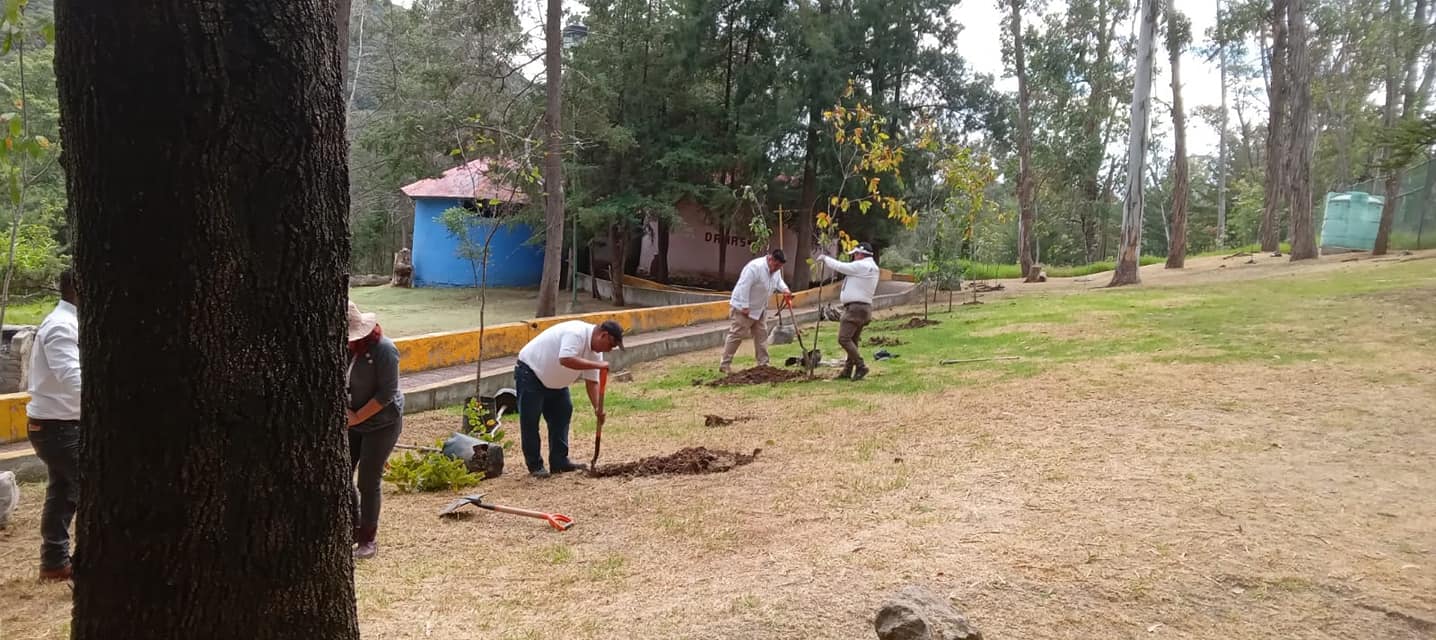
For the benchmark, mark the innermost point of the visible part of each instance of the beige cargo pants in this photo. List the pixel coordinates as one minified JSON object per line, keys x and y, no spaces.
{"x":741,"y":327}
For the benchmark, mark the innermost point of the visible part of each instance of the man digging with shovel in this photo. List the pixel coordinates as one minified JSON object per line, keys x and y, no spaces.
{"x":859,"y":285}
{"x":548,"y":364}
{"x":761,"y":278}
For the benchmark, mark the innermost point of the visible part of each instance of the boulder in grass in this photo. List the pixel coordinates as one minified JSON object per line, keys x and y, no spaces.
{"x":914,"y":613}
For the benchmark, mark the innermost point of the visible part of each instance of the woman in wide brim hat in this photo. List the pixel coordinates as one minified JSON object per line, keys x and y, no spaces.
{"x":376,"y":417}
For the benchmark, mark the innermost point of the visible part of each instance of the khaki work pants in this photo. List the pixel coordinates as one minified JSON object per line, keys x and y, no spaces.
{"x":856,"y":315}
{"x":741,"y":327}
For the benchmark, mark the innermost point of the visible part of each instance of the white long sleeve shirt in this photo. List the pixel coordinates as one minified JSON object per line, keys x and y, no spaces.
{"x":861,"y":281}
{"x":755,"y":285}
{"x":55,"y":367}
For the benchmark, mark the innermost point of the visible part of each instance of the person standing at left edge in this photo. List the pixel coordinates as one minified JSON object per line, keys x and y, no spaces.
{"x":376,"y":418}
{"x":54,"y":425}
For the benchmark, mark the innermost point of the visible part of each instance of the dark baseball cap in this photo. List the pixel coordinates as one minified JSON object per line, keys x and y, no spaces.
{"x":613,"y":329}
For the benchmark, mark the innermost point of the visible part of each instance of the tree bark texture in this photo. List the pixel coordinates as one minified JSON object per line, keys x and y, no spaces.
{"x":616,"y":253}
{"x":1222,"y":143}
{"x":808,"y":200}
{"x":1027,"y":208}
{"x":215,"y":471}
{"x":1130,"y":251}
{"x":659,"y":268}
{"x":1401,"y":103}
{"x":1300,"y":136}
{"x":553,"y":205}
{"x":1276,"y":143}
{"x":1181,"y":187}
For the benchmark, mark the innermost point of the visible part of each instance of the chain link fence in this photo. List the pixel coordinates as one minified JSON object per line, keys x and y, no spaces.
{"x":1414,"y":226}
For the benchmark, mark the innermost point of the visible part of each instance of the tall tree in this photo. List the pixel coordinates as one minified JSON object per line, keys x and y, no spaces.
{"x":1179,"y":33}
{"x":1130,"y":251}
{"x":1026,"y":190}
{"x":1300,"y":134}
{"x":216,"y":496}
{"x":553,"y":214}
{"x":1412,"y":37}
{"x":1222,"y":137}
{"x":1276,"y":142}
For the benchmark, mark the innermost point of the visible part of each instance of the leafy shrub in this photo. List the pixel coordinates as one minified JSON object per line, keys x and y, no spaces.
{"x":482,"y":424}
{"x":37,"y":260}
{"x":432,"y":471}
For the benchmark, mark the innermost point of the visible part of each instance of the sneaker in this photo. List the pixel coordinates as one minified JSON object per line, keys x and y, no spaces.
{"x":540,"y":474}
{"x":724,"y":370}
{"x":570,"y":467}
{"x":63,"y":574}
{"x":846,"y":374}
{"x":366,"y":550}
{"x":862,"y":372}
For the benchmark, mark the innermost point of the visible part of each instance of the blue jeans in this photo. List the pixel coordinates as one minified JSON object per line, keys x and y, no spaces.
{"x":554,"y":406}
{"x":57,"y":444}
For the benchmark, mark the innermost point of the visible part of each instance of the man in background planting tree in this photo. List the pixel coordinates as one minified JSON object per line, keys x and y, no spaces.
{"x":860,"y":282}
{"x":547,"y":365}
{"x":761,"y":278}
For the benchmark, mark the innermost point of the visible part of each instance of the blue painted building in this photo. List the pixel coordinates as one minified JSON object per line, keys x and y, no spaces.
{"x":513,"y":261}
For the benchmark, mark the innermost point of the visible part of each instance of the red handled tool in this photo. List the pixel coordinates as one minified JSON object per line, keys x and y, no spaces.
{"x":598,"y":432}
{"x":558,"y":521}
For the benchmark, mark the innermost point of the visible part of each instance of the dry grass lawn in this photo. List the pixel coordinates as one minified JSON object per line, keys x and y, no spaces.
{"x":1282,"y":490}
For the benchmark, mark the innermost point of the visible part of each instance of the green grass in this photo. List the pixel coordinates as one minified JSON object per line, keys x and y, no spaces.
{"x":32,"y":312}
{"x":1279,"y":322}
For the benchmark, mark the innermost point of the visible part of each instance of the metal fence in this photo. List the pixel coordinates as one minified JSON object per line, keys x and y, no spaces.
{"x":1414,"y":226}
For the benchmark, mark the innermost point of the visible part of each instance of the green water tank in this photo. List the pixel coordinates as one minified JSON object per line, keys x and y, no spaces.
{"x":1351,"y":220}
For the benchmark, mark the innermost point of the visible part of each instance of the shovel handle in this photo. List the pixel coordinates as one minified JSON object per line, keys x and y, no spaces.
{"x":556,"y":520}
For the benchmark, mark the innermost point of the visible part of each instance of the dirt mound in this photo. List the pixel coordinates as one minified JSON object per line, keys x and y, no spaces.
{"x":757,"y":375}
{"x":917,"y":323}
{"x":689,"y":461}
{"x":711,"y":420}
{"x":884,"y":341}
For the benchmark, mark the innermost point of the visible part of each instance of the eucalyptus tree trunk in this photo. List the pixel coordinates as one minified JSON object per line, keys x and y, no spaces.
{"x":1177,"y":28}
{"x":553,"y":205}
{"x":1026,"y":192}
{"x":1130,"y":251}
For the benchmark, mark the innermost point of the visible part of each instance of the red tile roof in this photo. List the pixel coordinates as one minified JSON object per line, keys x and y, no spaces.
{"x":477,"y":180}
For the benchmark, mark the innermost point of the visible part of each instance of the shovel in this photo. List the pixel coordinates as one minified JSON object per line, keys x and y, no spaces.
{"x":558,"y":521}
{"x":810,"y":359}
{"x":598,"y":432}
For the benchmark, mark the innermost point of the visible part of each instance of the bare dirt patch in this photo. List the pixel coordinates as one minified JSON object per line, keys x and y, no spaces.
{"x":918,"y":323}
{"x":884,"y":341}
{"x":689,"y":461}
{"x":711,"y":420}
{"x":758,"y":375}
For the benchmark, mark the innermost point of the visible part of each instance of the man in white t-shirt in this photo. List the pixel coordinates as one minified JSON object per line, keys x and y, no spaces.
{"x":860,"y":283}
{"x":548,"y":364}
{"x":760,"y":278}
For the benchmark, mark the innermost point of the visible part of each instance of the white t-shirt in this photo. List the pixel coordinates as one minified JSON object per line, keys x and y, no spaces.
{"x":563,"y":340}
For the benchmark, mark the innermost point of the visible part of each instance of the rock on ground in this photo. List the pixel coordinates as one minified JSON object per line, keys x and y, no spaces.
{"x":914,"y":613}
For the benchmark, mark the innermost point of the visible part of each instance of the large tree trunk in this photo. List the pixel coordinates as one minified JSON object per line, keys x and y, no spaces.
{"x":553,"y":213}
{"x":215,"y":472}
{"x":616,"y":254}
{"x":807,"y":205}
{"x":1096,"y":116}
{"x":1401,"y":72}
{"x":1276,"y":143}
{"x":723,"y":250}
{"x":1222,"y":142}
{"x":1392,"y":183}
{"x":1130,"y":251}
{"x":1027,"y":217}
{"x":1177,"y":28}
{"x":659,"y":268}
{"x":1298,"y":172}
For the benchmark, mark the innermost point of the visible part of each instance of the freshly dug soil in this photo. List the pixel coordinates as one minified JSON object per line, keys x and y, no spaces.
{"x":884,"y":341}
{"x":689,"y":461}
{"x":711,"y":420}
{"x":917,"y":323}
{"x":758,"y":375}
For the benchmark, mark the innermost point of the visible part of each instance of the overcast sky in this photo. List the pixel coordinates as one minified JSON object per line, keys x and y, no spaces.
{"x":980,"y":43}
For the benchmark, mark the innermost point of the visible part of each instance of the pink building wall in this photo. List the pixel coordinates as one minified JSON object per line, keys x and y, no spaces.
{"x":693,"y":246}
